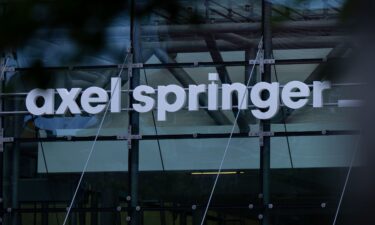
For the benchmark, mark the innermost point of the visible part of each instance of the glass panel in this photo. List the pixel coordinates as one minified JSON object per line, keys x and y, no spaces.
{"x":199,"y":154}
{"x":183,"y":179}
{"x":307,"y":176}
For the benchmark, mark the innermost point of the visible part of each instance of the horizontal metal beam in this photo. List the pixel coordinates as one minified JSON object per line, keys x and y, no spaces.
{"x":317,"y":25}
{"x":340,"y":103}
{"x":177,"y":65}
{"x":306,"y":42}
{"x":213,"y":28}
{"x":193,"y":136}
{"x":254,"y":208}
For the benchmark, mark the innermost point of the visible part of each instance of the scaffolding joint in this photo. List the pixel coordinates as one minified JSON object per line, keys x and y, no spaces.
{"x":9,"y":69}
{"x":261,"y":62}
{"x":130,"y":65}
{"x":261,"y":134}
{"x":129,"y":137}
{"x":4,"y":140}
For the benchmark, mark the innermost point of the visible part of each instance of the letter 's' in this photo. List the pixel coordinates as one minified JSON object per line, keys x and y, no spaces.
{"x":148,"y":103}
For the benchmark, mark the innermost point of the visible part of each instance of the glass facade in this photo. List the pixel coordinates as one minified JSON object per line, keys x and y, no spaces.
{"x":287,"y":170}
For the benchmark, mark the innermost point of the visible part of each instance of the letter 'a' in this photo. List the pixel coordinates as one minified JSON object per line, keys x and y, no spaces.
{"x":48,"y":96}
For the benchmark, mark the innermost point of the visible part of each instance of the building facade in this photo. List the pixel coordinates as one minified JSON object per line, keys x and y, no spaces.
{"x":129,"y":167}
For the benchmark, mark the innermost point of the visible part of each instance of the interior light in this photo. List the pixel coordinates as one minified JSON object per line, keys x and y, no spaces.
{"x":215,"y":173}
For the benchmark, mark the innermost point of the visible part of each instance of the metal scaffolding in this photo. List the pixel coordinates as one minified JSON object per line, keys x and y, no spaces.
{"x":163,"y":41}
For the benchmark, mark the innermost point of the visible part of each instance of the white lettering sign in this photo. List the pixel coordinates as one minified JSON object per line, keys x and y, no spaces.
{"x":172,"y":98}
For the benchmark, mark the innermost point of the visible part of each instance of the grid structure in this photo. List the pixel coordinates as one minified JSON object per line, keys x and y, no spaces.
{"x":261,"y":195}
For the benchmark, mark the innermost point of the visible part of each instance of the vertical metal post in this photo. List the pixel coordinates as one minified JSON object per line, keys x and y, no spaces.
{"x":133,"y":151}
{"x":197,"y":216}
{"x":108,"y":199}
{"x":207,"y":9}
{"x":265,"y":126}
{"x":94,"y":204}
{"x":2,"y":147}
{"x":45,"y":213}
{"x":163,"y":219}
{"x":250,"y":54}
{"x":15,"y":154}
{"x":183,"y":218}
